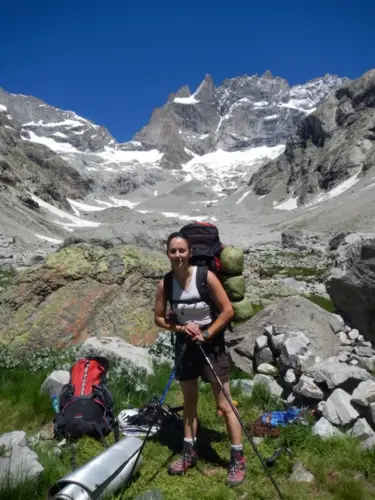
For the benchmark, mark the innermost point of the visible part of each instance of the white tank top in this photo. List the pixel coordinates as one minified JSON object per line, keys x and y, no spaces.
{"x":199,"y":312}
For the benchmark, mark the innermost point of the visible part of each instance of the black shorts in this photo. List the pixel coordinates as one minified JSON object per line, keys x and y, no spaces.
{"x":193,"y":364}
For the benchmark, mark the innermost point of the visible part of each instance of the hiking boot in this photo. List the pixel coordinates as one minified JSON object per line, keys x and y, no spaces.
{"x":187,"y":460}
{"x":237,"y":469}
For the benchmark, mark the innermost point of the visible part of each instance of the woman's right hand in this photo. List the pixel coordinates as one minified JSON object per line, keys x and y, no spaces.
{"x":190,"y":329}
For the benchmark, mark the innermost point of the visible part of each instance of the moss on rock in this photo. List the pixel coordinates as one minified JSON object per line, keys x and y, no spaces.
{"x":82,"y":291}
{"x":323,"y":302}
{"x":75,"y":261}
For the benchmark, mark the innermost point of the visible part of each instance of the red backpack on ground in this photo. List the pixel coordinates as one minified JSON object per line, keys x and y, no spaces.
{"x":86,"y":404}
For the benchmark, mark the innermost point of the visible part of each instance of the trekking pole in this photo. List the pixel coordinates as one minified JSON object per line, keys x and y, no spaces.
{"x":161,"y":401}
{"x":241,"y":422}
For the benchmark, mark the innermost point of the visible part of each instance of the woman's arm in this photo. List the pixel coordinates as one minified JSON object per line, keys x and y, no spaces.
{"x":221,"y":300}
{"x":161,"y":308}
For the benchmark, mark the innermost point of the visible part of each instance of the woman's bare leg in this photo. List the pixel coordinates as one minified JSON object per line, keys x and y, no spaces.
{"x":233,"y":426}
{"x":189,"y":457}
{"x":190,"y":391}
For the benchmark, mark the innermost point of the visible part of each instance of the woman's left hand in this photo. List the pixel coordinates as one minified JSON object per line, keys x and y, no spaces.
{"x":198,"y":337}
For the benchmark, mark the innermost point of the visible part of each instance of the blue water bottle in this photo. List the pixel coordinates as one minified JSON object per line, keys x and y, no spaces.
{"x":55,"y":403}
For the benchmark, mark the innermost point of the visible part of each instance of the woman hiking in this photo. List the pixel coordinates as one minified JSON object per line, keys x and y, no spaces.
{"x":193,"y":323}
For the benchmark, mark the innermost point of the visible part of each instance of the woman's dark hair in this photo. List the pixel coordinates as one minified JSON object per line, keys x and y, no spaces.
{"x":177,"y":234}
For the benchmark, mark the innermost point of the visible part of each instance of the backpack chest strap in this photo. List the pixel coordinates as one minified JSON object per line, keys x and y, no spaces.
{"x":186,"y":301}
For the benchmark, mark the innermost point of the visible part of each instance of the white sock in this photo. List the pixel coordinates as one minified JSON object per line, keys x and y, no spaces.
{"x":189,"y":440}
{"x":237,"y":447}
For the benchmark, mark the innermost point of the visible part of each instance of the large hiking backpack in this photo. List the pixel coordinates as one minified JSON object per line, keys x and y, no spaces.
{"x":205,"y":244}
{"x":86,"y":404}
{"x":206,"y":248}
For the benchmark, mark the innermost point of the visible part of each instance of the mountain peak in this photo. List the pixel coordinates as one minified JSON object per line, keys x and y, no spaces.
{"x":205,"y":90}
{"x":267,"y":74}
{"x":183,"y":91}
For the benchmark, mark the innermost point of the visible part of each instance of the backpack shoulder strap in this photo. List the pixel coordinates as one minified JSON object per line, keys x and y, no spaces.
{"x":168,"y":286}
{"x":202,"y":286}
{"x":202,"y":272}
{"x":201,"y":282}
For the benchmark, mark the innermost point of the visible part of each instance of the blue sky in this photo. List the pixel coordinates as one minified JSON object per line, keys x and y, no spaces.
{"x":113,"y":62}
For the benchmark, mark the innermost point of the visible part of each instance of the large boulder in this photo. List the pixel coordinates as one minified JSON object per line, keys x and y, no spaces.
{"x":325,"y":429}
{"x":117,"y":350}
{"x":296,"y":313}
{"x":351,"y":285}
{"x":337,"y":409}
{"x":17,"y":462}
{"x":55,"y":382}
{"x":83,"y":291}
{"x":303,"y":240}
{"x":333,"y":374}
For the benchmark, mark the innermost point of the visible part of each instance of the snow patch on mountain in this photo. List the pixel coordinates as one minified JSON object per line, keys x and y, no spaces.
{"x":289,"y":204}
{"x":336,"y":191}
{"x":186,"y":100}
{"x":223,"y":170}
{"x":65,"y":219}
{"x":63,"y":123}
{"x":243,"y":197}
{"x":112,"y":155}
{"x":58,"y":147}
{"x":60,"y":134}
{"x":48,"y":238}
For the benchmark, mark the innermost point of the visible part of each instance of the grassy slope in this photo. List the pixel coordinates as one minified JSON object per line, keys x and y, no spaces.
{"x":342,"y":470}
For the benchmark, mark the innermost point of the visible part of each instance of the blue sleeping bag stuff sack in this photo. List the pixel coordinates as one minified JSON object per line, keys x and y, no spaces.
{"x":281,"y":418}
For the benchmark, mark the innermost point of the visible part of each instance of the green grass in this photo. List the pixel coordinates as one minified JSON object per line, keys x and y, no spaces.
{"x":6,"y":276}
{"x":296,"y":255}
{"x":257,"y":308}
{"x":342,"y":469}
{"x":293,"y":272}
{"x":22,"y":407}
{"x":323,"y":302}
